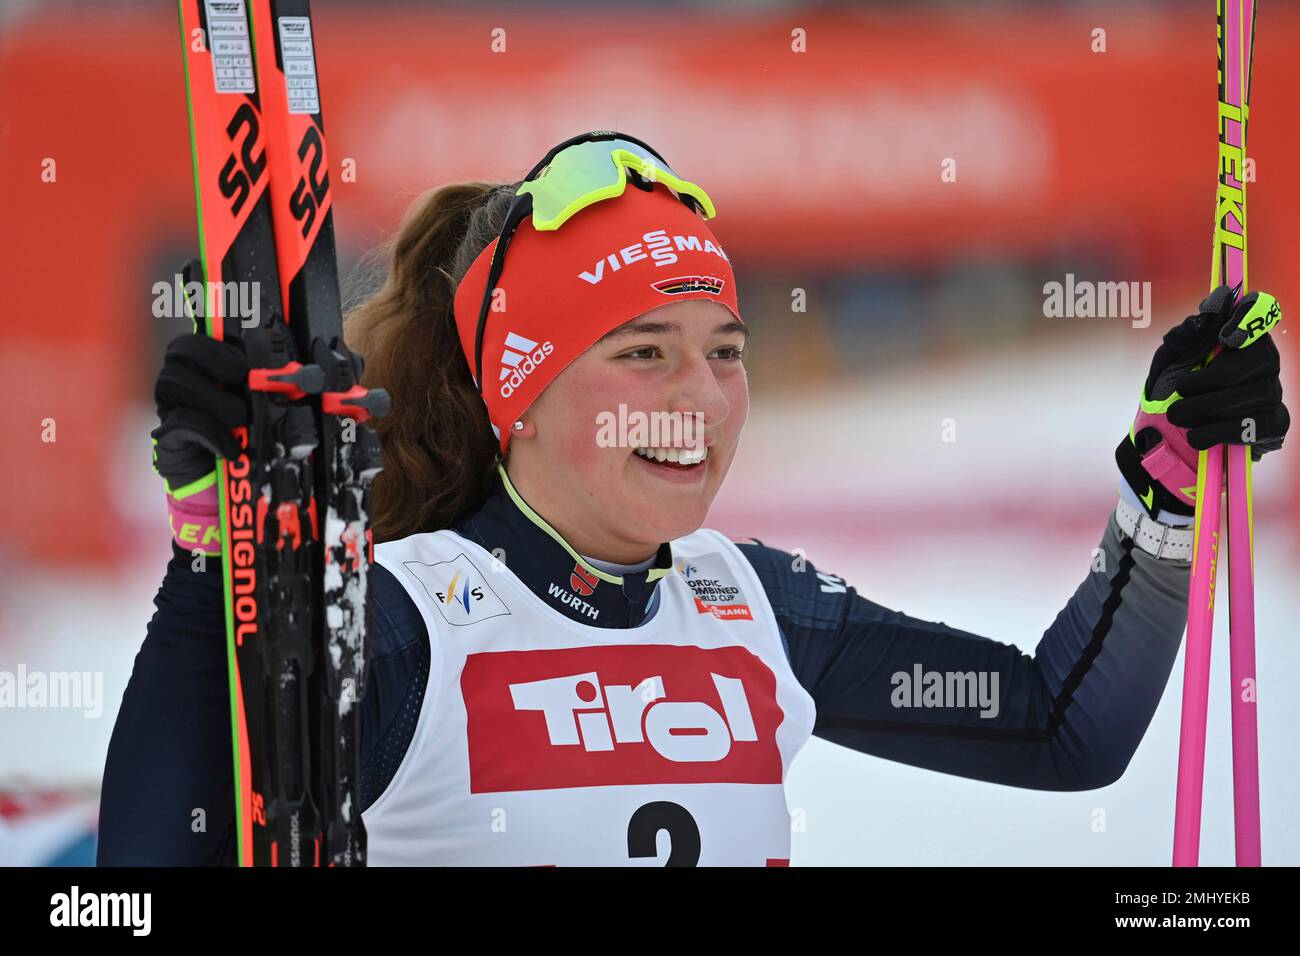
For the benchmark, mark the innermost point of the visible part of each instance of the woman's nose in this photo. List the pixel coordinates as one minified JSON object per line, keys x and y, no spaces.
{"x":695,"y":390}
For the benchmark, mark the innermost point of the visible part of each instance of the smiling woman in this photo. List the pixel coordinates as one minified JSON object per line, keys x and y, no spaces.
{"x":568,"y":668}
{"x":622,"y":296}
{"x":684,"y":363}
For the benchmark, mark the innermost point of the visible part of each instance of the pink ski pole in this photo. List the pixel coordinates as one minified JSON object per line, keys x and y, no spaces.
{"x":1241,"y":630}
{"x":1196,"y":672}
{"x":1236,"y":22}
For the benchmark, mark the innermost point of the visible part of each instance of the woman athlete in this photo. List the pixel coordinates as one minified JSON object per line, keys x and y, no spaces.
{"x":567,"y":668}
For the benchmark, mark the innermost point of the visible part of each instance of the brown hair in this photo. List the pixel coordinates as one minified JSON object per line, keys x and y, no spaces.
{"x":439,"y":452}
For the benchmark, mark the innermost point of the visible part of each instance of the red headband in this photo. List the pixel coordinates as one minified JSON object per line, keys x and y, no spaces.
{"x":562,"y":290}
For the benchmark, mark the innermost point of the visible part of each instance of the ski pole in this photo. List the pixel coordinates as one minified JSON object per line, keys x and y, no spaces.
{"x":1236,"y":34}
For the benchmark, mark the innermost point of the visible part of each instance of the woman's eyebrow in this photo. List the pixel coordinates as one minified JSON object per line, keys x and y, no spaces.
{"x":673,"y":328}
{"x":735,"y":325}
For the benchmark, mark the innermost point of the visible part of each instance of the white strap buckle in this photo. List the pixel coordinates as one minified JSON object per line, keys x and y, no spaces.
{"x":1164,"y":533}
{"x":1168,"y":542}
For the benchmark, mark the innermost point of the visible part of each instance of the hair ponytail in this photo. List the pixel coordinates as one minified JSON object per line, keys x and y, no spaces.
{"x":439,"y":452}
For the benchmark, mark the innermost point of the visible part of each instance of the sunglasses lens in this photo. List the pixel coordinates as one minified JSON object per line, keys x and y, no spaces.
{"x":576,"y":177}
{"x":585,"y":173}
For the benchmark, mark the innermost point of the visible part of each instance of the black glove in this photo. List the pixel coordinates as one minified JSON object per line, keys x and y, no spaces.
{"x":201,"y":394}
{"x":1241,"y":382}
{"x":1189,"y":404}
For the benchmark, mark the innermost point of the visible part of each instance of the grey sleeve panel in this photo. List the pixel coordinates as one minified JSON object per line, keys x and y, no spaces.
{"x":1107,"y":658}
{"x":1070,"y":717}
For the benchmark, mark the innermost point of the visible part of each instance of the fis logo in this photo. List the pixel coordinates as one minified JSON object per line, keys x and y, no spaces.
{"x":461,"y":597}
{"x":457,"y":590}
{"x":519,"y":359}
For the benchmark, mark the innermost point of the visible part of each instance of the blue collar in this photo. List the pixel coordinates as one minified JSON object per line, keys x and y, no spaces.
{"x":522,"y":540}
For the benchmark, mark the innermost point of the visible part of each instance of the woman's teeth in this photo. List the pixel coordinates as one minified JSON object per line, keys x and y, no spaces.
{"x":679,"y":456}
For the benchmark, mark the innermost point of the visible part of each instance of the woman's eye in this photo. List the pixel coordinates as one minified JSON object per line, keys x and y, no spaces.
{"x":649,"y":351}
{"x":730,"y":353}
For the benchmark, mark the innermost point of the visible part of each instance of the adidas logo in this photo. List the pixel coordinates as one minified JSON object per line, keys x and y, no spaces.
{"x":519,"y":359}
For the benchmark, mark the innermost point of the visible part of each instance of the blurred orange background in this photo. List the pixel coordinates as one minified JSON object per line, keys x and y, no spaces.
{"x":822,"y":163}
